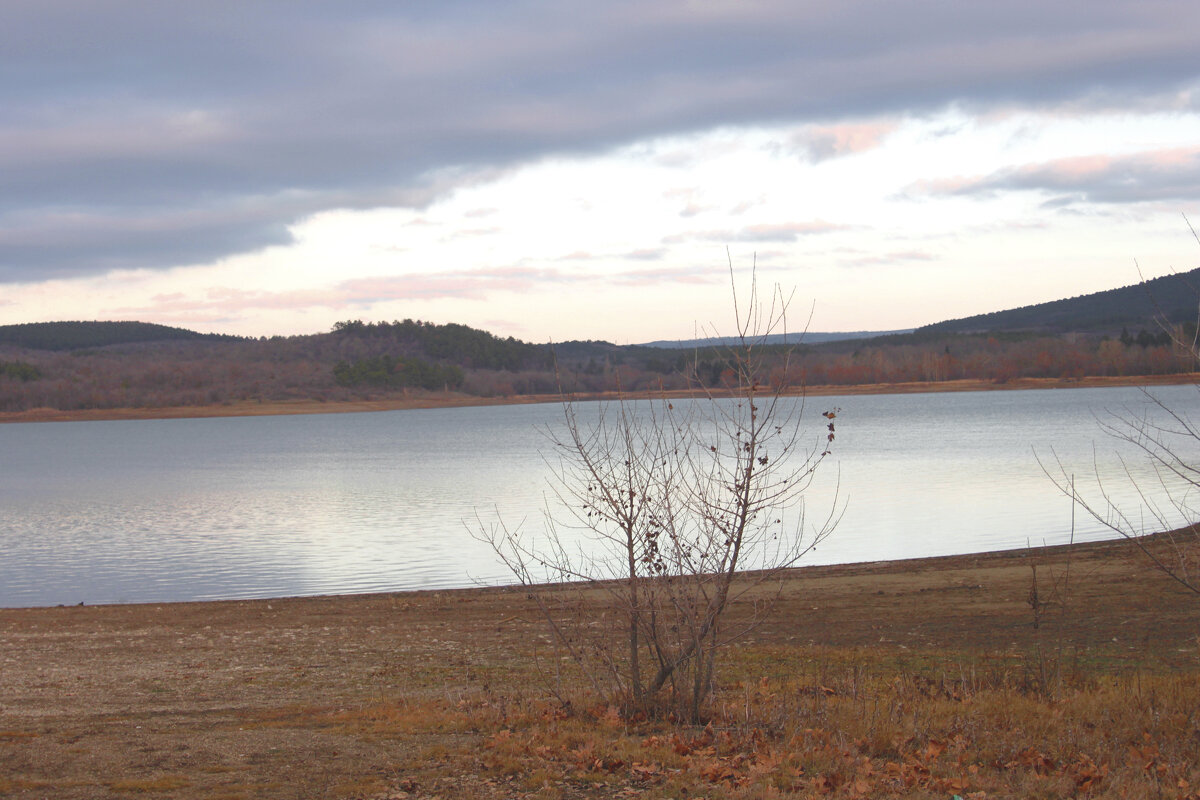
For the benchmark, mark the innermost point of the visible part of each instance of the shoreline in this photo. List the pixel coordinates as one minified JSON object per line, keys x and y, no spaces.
{"x":437,"y":694}
{"x":904,"y":566}
{"x":456,"y":400}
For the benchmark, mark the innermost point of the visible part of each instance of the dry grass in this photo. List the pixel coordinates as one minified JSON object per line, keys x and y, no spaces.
{"x":840,"y":723}
{"x":157,"y":785}
{"x":446,"y":694}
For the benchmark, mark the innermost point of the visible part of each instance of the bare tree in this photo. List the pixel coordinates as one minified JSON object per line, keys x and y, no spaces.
{"x":671,"y":509}
{"x":1165,"y":524}
{"x":1168,"y":440}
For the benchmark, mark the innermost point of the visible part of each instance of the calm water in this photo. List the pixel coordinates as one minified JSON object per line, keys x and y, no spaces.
{"x":165,"y":510}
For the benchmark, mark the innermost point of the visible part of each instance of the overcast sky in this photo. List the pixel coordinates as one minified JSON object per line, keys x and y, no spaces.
{"x":561,"y":170}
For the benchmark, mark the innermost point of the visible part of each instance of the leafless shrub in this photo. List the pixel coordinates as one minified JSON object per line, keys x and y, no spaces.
{"x":1048,"y":600}
{"x":1167,"y":439}
{"x":674,"y":509}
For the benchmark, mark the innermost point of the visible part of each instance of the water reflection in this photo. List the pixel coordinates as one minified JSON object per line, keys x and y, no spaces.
{"x":269,"y":506}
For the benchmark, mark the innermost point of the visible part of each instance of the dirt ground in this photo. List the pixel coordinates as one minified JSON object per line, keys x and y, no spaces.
{"x":250,"y":699}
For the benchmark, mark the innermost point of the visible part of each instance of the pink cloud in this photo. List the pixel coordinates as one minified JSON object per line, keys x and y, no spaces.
{"x":651,"y":277}
{"x":463,"y":233}
{"x":834,"y":141}
{"x":1168,"y":174}
{"x":464,"y":285}
{"x":1069,"y":169}
{"x":221,"y":303}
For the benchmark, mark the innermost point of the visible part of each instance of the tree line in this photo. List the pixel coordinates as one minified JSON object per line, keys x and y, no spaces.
{"x":398,"y":372}
{"x":79,"y":335}
{"x":467,"y":347}
{"x":357,"y":361}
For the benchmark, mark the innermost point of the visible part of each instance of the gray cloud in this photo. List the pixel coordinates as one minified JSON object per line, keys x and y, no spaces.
{"x":165,"y":121}
{"x":1160,"y":175}
{"x":823,"y":142}
{"x":645,"y":254}
{"x":786,"y":231}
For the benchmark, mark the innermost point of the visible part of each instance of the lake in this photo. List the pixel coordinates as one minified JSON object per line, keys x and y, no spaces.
{"x":251,"y":507}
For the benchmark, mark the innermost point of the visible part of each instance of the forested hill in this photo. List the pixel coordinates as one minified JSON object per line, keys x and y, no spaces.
{"x":1170,"y":299}
{"x":83,"y":335}
{"x":457,"y":344}
{"x":93,"y":365}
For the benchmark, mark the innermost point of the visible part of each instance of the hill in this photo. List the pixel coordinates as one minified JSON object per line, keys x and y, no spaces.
{"x":81,"y":335}
{"x":1171,"y":299}
{"x":800,"y":337}
{"x":81,"y":366}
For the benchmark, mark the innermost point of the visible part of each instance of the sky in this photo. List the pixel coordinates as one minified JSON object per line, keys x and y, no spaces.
{"x":569,"y":170}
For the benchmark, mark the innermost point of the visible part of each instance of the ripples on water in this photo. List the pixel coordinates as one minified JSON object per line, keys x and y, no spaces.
{"x":197,"y":509}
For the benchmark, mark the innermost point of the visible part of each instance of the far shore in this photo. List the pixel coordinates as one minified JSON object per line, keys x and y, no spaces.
{"x":422,"y":399}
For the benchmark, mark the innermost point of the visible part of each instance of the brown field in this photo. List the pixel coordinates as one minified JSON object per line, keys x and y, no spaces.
{"x":915,"y":679}
{"x":423,"y":399}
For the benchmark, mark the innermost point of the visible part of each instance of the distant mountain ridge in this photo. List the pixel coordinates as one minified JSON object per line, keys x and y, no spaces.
{"x":1171,"y":299}
{"x":810,"y":337}
{"x":108,"y":365}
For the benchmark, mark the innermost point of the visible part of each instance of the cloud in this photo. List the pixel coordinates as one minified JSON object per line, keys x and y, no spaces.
{"x":691,"y":197}
{"x":1155,"y":176}
{"x":667,"y":275}
{"x":640,"y":254}
{"x":820,"y":143}
{"x":645,"y":254}
{"x":894,"y":257}
{"x":786,"y":231}
{"x":471,"y":233}
{"x":52,"y":243}
{"x":745,"y":205}
{"x":767,"y":232}
{"x":223,"y":303}
{"x":157,"y":116}
{"x":358,"y":293}
{"x":68,"y":240}
{"x":461,"y":285}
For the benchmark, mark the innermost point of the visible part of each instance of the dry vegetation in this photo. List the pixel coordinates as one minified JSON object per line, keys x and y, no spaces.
{"x":255,"y":408}
{"x":362,"y":363}
{"x":917,"y":679}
